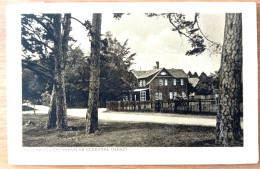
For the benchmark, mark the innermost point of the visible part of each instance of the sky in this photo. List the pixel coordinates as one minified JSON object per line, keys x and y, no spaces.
{"x":153,"y":40}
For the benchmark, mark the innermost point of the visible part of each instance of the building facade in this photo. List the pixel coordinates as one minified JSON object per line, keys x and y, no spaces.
{"x":160,"y":84}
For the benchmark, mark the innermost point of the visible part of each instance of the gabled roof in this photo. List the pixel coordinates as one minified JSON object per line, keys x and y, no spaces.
{"x":177,"y":73}
{"x":155,"y":75}
{"x":138,"y":73}
{"x":150,"y":73}
{"x":145,"y":74}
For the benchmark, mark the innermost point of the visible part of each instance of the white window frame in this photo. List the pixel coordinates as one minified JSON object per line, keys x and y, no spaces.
{"x":171,"y":95}
{"x":140,"y":83}
{"x":160,"y":82}
{"x":160,"y":96}
{"x":174,"y":82}
{"x":182,"y":82}
{"x":144,"y":82}
{"x":165,"y":82}
{"x":142,"y":95}
{"x":156,"y":96}
{"x":174,"y":95}
{"x":183,"y":94}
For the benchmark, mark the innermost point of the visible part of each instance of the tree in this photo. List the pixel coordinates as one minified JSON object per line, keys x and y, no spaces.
{"x":204,"y":85}
{"x":229,"y":131}
{"x":189,"y":74}
{"x":191,"y":30}
{"x":92,"y":112}
{"x":61,"y":38}
{"x":77,"y":78}
{"x":32,"y":87}
{"x":115,"y":76}
{"x":45,"y":37}
{"x":195,"y":75}
{"x":98,"y":49}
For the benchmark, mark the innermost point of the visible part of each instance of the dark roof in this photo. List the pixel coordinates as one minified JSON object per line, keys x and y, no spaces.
{"x":138,"y":73}
{"x":177,"y":73}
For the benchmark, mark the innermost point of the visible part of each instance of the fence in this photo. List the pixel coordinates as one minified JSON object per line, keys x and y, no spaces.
{"x":183,"y":106}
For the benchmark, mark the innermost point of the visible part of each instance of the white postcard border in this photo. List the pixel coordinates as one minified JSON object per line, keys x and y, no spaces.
{"x":180,"y":155}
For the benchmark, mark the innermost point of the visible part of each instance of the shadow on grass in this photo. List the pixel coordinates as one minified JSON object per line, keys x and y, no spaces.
{"x":204,"y":143}
{"x":26,"y":108}
{"x":115,"y":134}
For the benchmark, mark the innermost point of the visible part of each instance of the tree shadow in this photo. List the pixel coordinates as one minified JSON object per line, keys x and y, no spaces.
{"x":27,"y":108}
{"x":204,"y":143}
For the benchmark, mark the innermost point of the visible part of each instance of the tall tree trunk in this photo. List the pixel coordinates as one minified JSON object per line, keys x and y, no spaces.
{"x":52,"y":110}
{"x":92,"y":113}
{"x":228,"y":130}
{"x":58,"y":108}
{"x":59,"y":75}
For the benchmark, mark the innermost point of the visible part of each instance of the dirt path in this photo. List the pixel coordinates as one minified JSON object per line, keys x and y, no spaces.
{"x":159,"y":118}
{"x":139,"y":117}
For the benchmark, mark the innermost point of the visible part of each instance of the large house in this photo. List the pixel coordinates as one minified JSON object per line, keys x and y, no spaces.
{"x":160,"y":84}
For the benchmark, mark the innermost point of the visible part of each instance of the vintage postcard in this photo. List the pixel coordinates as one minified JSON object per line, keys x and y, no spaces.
{"x":132,"y":83}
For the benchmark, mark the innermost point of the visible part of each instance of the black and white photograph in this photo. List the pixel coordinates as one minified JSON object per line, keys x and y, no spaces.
{"x":109,"y":81}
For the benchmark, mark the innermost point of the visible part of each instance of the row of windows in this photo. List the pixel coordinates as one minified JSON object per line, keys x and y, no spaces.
{"x":158,"y":96}
{"x":164,"y":82}
{"x":172,"y":95}
{"x":142,"y":96}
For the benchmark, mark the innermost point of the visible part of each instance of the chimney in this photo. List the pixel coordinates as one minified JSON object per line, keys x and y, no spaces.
{"x":157,"y":65}
{"x":154,"y":67}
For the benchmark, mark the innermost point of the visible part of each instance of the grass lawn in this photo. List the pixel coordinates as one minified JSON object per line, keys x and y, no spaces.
{"x":115,"y":134}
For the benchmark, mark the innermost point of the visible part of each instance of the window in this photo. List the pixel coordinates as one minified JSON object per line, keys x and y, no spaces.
{"x":183,"y":94}
{"x":166,"y":82}
{"x":163,"y":73}
{"x":158,"y":95}
{"x":160,"y":82}
{"x":171,"y":95}
{"x":143,"y":96}
{"x":174,"y":82}
{"x":174,"y":95}
{"x":140,"y":83}
{"x":182,"y":82}
{"x":144,"y":82}
{"x":130,"y":97}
